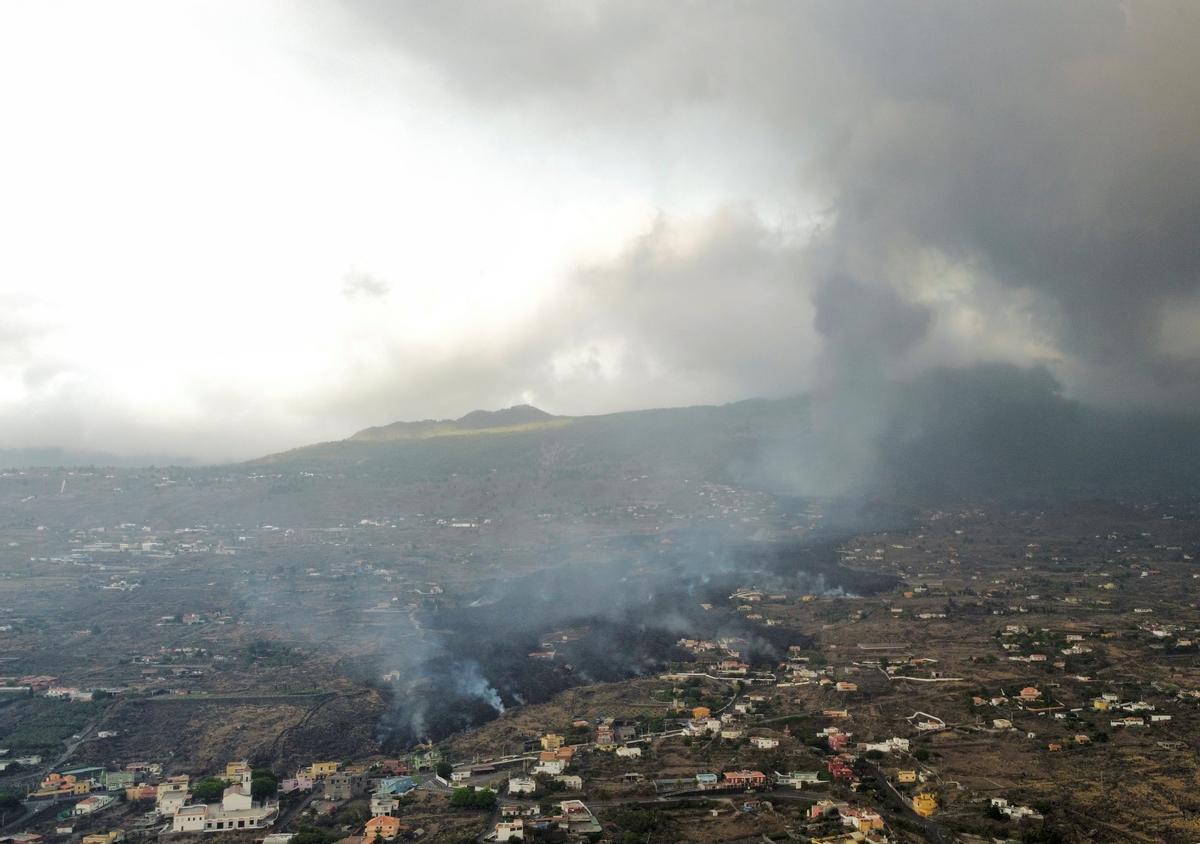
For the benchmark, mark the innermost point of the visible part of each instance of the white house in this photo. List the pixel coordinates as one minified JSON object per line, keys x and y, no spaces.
{"x":522,"y":785}
{"x":764,"y":742}
{"x":628,"y":752}
{"x":510,"y":830}
{"x":237,"y":811}
{"x":383,"y":803}
{"x":95,"y":803}
{"x":190,"y":819}
{"x":553,"y":767}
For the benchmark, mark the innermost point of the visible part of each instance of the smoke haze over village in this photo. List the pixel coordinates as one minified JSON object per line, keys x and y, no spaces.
{"x":608,"y":420}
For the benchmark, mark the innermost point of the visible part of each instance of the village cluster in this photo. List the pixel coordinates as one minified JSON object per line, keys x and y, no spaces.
{"x":988,"y":658}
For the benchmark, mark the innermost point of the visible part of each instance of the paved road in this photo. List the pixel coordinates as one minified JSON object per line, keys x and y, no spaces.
{"x":893,"y":799}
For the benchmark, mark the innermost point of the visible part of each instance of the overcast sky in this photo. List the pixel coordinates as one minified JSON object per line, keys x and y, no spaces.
{"x":231,"y":228}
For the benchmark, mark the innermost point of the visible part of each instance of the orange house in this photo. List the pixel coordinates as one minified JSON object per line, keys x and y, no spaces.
{"x":382,"y":828}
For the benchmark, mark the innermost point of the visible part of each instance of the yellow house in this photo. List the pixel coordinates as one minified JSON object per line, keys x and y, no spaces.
{"x":1100,"y":703}
{"x":924,"y":804}
{"x":110,"y":837}
{"x":318,"y":770}
{"x":552,"y":741}
{"x":906,"y":776}
{"x":234,"y":770}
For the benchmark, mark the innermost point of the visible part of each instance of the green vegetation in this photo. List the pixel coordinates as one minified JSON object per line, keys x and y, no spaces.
{"x":353,"y":814}
{"x":312,"y":835}
{"x":263,"y":785}
{"x":46,"y":725}
{"x":469,"y":798}
{"x":209,"y":789}
{"x":267,"y":653}
{"x":637,"y":825}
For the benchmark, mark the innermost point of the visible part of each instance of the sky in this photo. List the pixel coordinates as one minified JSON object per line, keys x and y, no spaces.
{"x":232,"y":228}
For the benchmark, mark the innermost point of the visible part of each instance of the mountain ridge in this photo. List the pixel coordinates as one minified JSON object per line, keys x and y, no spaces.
{"x":520,"y":416}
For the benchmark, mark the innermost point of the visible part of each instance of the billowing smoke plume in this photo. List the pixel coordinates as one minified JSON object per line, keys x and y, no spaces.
{"x":949,"y":185}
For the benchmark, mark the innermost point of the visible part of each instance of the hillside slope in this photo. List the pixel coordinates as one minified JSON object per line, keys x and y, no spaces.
{"x":947,"y":435}
{"x":519,"y":417}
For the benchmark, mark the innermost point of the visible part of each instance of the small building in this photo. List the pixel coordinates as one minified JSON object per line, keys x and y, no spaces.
{"x":383,"y":803}
{"x":397,"y":786}
{"x":117,"y":780}
{"x":550,"y":767}
{"x":522,"y":785}
{"x":340,"y":786}
{"x":513,"y":830}
{"x":906,"y":777}
{"x":303,"y":781}
{"x":93,"y":804}
{"x":1029,"y":693}
{"x":190,"y":819}
{"x":235,"y":812}
{"x":320,"y":770}
{"x":383,"y":828}
{"x":110,"y":837}
{"x":798,"y":779}
{"x":140,"y":792}
{"x":924,"y":804}
{"x":745,"y":779}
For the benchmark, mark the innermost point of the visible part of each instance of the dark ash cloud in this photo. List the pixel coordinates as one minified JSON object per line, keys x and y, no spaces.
{"x":1036,"y":156}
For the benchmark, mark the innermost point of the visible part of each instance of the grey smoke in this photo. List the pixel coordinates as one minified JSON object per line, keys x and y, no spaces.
{"x":874,"y":191}
{"x":1010,"y":182}
{"x":469,"y":681}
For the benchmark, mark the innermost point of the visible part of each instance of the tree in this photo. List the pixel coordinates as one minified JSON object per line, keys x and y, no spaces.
{"x":263,"y":787}
{"x":444,"y":769}
{"x":469,"y":798}
{"x":209,"y":789}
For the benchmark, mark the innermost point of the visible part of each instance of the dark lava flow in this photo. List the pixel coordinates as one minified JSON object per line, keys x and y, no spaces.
{"x":626,"y":617}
